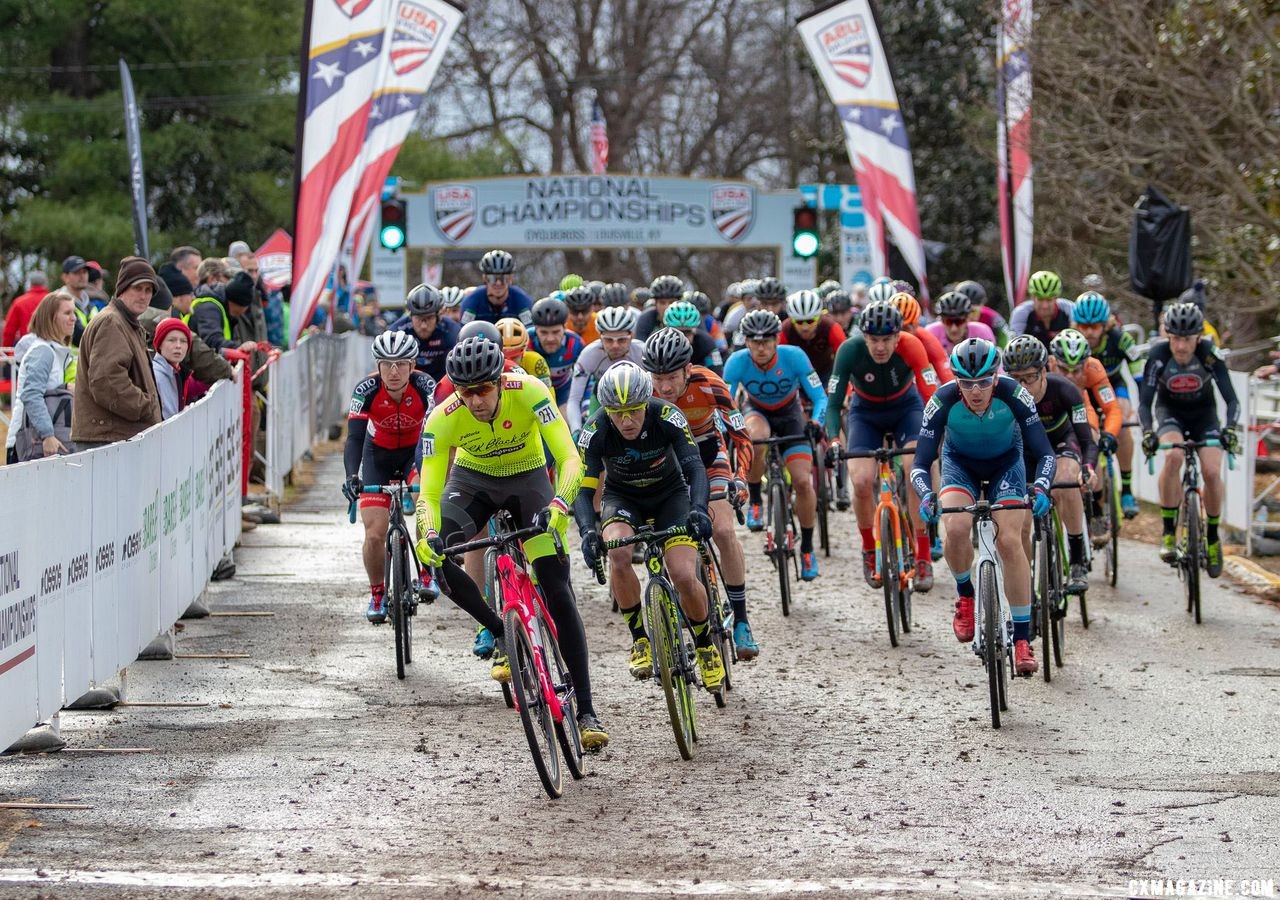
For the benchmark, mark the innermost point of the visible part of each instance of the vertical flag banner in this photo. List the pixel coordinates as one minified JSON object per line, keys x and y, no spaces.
{"x":1013,"y":146}
{"x":137,"y":184}
{"x":599,"y":140}
{"x":418,"y":35}
{"x":845,"y":46}
{"x":357,"y":52}
{"x":275,"y":259}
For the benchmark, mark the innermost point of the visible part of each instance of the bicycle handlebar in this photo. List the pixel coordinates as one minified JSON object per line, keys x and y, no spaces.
{"x":506,"y":537}
{"x":379,"y":489}
{"x":986,"y":505}
{"x":645,"y":535}
{"x":881,"y":454}
{"x":1188,"y":447}
{"x":787,"y":439}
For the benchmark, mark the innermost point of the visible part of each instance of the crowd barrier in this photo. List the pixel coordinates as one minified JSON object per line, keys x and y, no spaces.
{"x":102,"y":551}
{"x":309,"y":389}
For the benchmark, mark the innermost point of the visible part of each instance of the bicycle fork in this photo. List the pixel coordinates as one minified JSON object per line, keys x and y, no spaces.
{"x":987,"y":552}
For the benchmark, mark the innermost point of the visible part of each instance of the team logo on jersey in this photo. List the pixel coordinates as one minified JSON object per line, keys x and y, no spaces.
{"x":1185,"y":384}
{"x":506,"y":423}
{"x":733,"y":209}
{"x":869,"y":377}
{"x":454,"y":406}
{"x":416,"y":34}
{"x":847,"y":45}
{"x":453,"y":209}
{"x":352,"y":8}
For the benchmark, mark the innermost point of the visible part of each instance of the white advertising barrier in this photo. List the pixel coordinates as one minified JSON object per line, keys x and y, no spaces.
{"x":308,"y":392}
{"x":104,"y":550}
{"x":1237,"y":511}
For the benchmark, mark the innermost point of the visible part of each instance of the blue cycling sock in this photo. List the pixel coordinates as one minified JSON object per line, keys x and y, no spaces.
{"x":964,"y":585}
{"x":1021,"y":622}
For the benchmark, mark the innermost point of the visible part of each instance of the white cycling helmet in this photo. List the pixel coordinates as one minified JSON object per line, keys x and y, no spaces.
{"x":391,"y":345}
{"x":804,"y":306}
{"x":881,"y":291}
{"x":616,"y":318}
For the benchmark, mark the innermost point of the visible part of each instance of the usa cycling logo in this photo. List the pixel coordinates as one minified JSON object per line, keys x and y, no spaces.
{"x":848,"y":47}
{"x":733,"y":209}
{"x":453,"y":209}
{"x":415,"y":36}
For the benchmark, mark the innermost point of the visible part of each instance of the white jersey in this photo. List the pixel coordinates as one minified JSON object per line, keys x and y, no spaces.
{"x":591,"y":364}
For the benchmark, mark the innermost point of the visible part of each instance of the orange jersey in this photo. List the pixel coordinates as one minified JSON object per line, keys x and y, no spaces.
{"x":1096,"y":386}
{"x":707,"y":405}
{"x":588,"y":333}
{"x":937,"y":355}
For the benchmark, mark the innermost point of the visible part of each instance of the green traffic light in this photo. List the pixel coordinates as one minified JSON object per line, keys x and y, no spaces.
{"x":392,"y":237}
{"x":805,"y":244}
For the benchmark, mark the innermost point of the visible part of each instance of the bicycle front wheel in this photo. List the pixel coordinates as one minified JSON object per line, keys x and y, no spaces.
{"x":567,"y":733}
{"x":992,"y":639}
{"x":908,"y":568}
{"x":822,"y":479}
{"x":664,"y":637}
{"x":782,"y":549}
{"x":889,"y":573}
{"x":395,"y":600}
{"x":495,"y":603}
{"x":535,"y":715}
{"x":1193,"y":553}
{"x":1044,"y":604}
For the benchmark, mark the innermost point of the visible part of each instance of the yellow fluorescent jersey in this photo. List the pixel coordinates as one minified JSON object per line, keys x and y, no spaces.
{"x":509,"y":445}
{"x":533,"y":363}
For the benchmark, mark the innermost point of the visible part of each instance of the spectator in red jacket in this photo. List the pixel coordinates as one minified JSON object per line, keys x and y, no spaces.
{"x":23,"y":306}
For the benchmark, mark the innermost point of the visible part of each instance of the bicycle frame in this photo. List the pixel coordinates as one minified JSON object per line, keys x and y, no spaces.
{"x":986,"y":528}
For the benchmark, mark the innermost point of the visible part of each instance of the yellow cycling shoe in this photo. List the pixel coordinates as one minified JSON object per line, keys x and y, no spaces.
{"x":641,"y":659}
{"x":712,"y":667}
{"x":594,"y":737}
{"x":501,"y":671}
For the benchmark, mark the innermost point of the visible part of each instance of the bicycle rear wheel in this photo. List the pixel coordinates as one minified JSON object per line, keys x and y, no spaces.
{"x":395,"y":601}
{"x":992,"y":640}
{"x":889,"y":573}
{"x":1113,"y":514}
{"x":491,"y":596}
{"x":535,"y":716}
{"x":1057,"y":600}
{"x":782,"y":550}
{"x":664,"y":637}
{"x":567,"y":733}
{"x":822,"y":479}
{"x":1194,"y":550}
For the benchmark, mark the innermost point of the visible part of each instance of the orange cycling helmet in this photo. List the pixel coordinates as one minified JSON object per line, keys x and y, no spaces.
{"x":909,"y":307}
{"x":515,"y":337}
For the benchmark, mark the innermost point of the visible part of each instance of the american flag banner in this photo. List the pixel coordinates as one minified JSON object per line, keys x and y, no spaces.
{"x":353,"y":48}
{"x":844,"y":43}
{"x":1013,"y":146}
{"x":599,"y":140}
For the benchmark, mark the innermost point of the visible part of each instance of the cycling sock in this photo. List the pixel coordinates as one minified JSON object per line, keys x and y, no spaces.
{"x":1021,"y":622}
{"x":922,"y":546}
{"x":1169,"y":518}
{"x":378,"y":590}
{"x":1126,"y":483}
{"x":737,"y":594}
{"x":701,"y":633}
{"x":964,"y":585}
{"x":806,"y":540}
{"x":1075,"y":548}
{"x":635,"y":622}
{"x":753,"y":488}
{"x":1211,"y":532}
{"x":868,"y":539}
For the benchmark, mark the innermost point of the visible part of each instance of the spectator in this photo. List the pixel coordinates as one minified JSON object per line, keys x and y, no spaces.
{"x":248,"y":263}
{"x":44,"y":388}
{"x":118,"y":397}
{"x":206,"y":365}
{"x":75,"y":280}
{"x":368,"y":317}
{"x":211,"y":317}
{"x":23,"y":306}
{"x":98,"y":297}
{"x":187,"y":261}
{"x":173,"y":343}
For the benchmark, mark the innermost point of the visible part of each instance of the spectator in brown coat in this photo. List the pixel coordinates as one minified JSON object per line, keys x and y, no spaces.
{"x":116,"y":396}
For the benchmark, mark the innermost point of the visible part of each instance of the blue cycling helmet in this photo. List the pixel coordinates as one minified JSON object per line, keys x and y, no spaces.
{"x":975,"y":358}
{"x":1091,"y":308}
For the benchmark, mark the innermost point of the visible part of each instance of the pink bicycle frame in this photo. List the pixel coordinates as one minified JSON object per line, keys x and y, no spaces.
{"x":520,"y":595}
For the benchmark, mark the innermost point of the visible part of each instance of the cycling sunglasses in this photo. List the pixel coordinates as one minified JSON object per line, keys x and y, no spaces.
{"x":975,"y":384}
{"x":496,"y":279}
{"x":1026,"y":380}
{"x":625,"y":410}
{"x":814,"y":321}
{"x":478,"y":390}
{"x":952,"y":323}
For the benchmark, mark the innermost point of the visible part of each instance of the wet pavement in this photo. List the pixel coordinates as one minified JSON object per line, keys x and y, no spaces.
{"x":840,"y":765}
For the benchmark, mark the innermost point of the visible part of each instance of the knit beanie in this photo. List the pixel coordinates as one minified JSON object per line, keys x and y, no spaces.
{"x":168,"y":325}
{"x":240,"y":289}
{"x":134,"y":269}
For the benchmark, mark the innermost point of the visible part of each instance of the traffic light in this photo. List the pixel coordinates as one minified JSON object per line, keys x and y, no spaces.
{"x":804,"y":231}
{"x":392,"y":233}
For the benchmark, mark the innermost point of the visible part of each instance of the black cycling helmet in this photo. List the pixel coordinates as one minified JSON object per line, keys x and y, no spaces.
{"x":760,"y":323}
{"x":579,"y":298}
{"x":497,"y":262}
{"x":700,"y":300}
{"x":424,"y":300}
{"x":881,"y":318}
{"x":953,"y":305}
{"x":482,"y":328}
{"x":475,"y":360}
{"x":666,"y":287}
{"x":596,"y":288}
{"x":1025,"y":352}
{"x":838,"y":301}
{"x":976,"y":293}
{"x":550,"y":311}
{"x":666,"y":350}
{"x":1184,"y":319}
{"x":614,"y":294}
{"x":771,"y":288}
{"x":640,"y":296}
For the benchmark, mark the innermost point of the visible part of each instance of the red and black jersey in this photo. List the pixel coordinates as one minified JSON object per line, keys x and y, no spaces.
{"x":821,"y":348}
{"x":391,"y":424}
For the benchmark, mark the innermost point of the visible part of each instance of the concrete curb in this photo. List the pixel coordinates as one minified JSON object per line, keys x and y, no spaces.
{"x":1250,"y":574}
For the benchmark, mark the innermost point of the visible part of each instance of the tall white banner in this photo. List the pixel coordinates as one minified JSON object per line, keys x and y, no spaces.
{"x":845,"y":45}
{"x":1013,"y":146}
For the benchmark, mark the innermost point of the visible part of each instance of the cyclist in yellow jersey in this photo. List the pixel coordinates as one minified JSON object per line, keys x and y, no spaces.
{"x":515,"y":346}
{"x":496,"y":424}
